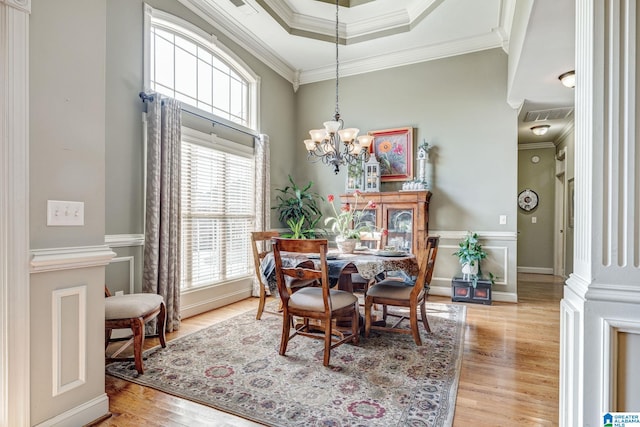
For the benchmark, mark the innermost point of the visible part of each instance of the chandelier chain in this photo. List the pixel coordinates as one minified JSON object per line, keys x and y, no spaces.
{"x":335,"y":145}
{"x":337,"y":114}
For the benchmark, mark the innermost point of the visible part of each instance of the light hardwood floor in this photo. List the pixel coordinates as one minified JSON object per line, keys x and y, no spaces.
{"x":509,"y":370}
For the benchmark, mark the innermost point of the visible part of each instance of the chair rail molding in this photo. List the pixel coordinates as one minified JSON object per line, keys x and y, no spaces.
{"x":52,"y":259}
{"x":124,"y":240}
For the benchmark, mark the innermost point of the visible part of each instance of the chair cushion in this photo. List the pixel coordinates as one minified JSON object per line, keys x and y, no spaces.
{"x":311,"y":299}
{"x":388,"y":289}
{"x":130,"y":305}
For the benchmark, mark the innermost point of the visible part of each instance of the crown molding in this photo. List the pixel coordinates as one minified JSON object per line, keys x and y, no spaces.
{"x":392,"y":22}
{"x":404,"y":57}
{"x":23,"y":5}
{"x":219,"y":19}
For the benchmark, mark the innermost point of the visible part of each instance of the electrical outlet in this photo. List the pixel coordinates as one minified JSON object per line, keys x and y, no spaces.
{"x":503,"y":219}
{"x":60,"y":213}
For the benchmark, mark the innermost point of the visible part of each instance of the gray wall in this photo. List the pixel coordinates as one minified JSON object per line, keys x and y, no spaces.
{"x":535,"y":241}
{"x":568,"y":144}
{"x":464,"y":115}
{"x":474,"y":132}
{"x":67,"y":162}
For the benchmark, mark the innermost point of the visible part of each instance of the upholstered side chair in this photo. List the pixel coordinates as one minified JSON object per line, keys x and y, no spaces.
{"x":394,"y":292}
{"x":133,"y":311}
{"x":313,"y":303}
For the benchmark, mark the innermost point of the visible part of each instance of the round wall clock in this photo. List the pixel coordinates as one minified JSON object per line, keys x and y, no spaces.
{"x":527,"y":200}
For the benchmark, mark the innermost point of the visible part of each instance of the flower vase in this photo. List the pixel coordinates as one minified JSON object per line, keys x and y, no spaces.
{"x":346,"y":246}
{"x":469,"y":270}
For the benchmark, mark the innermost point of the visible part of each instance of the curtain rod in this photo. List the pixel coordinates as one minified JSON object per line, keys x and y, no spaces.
{"x":145,"y":97}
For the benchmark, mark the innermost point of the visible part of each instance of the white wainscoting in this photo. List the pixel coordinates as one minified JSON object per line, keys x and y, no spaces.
{"x":501,"y":261}
{"x":570,"y":364}
{"x":132,"y":269}
{"x":68,"y":317}
{"x":126,"y":241}
{"x":63,"y":287}
{"x":620,"y":392}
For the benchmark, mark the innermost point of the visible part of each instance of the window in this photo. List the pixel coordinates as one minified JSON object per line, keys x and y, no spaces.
{"x":217,"y":210}
{"x":187,"y":64}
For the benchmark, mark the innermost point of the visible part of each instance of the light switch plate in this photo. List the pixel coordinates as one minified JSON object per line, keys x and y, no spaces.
{"x":61,"y":213}
{"x":534,"y":220}
{"x":503,"y":219}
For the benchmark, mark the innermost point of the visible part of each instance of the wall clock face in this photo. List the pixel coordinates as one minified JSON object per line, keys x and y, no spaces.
{"x":527,"y":200}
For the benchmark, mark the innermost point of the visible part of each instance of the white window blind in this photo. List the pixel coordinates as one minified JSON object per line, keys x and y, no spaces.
{"x":217,"y":214}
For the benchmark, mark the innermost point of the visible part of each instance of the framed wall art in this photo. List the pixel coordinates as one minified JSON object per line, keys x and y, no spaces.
{"x":394,"y":150}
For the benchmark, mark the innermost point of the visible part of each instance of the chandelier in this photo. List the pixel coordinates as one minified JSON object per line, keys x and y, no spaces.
{"x":335,"y":145}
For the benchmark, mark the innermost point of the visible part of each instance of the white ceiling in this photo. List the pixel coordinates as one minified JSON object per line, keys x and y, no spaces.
{"x":296,"y":38}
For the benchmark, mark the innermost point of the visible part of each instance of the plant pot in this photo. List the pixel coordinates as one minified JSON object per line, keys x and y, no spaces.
{"x":346,"y":246}
{"x":469,"y":270}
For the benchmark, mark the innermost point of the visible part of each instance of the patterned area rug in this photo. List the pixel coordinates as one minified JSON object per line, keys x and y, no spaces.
{"x":387,"y":380}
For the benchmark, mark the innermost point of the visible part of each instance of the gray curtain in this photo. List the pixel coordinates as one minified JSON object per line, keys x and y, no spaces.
{"x":162,"y":217}
{"x":263,"y":192}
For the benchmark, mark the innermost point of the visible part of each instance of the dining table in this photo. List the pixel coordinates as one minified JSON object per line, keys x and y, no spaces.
{"x":368,"y":263}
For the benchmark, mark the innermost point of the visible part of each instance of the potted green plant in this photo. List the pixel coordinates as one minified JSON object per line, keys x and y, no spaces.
{"x":298,"y":208}
{"x":469,"y":254}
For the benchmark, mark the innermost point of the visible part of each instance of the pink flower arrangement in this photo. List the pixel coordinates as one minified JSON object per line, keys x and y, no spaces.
{"x":348,"y":223}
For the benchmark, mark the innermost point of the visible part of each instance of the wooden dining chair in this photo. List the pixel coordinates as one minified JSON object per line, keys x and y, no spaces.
{"x":313,"y":303}
{"x":261,"y":238}
{"x":393,"y":292}
{"x":264,"y":238}
{"x":133,"y":311}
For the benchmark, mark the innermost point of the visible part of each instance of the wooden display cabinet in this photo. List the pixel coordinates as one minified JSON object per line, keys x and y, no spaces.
{"x":404,"y":214}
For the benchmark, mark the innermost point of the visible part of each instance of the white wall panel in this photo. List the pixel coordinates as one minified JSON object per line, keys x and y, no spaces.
{"x":69,"y":345}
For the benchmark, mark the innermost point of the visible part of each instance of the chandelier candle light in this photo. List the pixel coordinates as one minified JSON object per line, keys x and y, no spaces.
{"x":333,"y":144}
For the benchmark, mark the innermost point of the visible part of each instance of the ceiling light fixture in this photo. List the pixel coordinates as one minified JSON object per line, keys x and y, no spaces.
{"x":540,"y":129}
{"x":568,"y":79}
{"x":325,"y":144}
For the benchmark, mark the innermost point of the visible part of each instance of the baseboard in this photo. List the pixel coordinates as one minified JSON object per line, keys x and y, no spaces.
{"x":81,"y":415}
{"x":536,"y":270}
{"x":213,"y":303}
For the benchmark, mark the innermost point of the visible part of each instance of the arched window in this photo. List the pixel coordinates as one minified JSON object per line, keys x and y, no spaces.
{"x":217,"y":175}
{"x":187,"y":64}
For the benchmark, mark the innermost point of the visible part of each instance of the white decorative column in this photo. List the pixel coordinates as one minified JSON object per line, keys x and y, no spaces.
{"x":600,"y":311}
{"x":14,"y":212}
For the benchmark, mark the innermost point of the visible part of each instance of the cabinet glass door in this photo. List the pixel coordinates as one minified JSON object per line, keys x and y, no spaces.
{"x":370,"y":218}
{"x":400,"y":227}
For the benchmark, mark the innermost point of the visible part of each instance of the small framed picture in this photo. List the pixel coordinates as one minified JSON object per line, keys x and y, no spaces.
{"x":394,"y":150}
